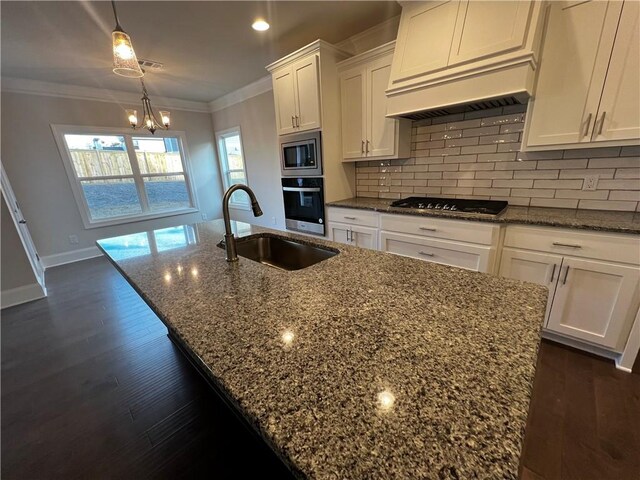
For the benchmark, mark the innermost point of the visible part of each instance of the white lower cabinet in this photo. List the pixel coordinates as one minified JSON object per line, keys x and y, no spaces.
{"x":446,"y":252}
{"x":590,"y":299}
{"x":359,"y":236}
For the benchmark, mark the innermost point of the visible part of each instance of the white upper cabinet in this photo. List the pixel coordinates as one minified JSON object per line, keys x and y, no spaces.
{"x":296,"y":90}
{"x":367,"y":133}
{"x":587,"y":92}
{"x":284,"y":101}
{"x":619,"y":112}
{"x":352,"y":95}
{"x":488,"y":28}
{"x":424,"y":38}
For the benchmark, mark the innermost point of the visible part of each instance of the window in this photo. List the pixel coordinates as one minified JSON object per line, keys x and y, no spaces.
{"x":121,"y":177}
{"x":232,"y":164}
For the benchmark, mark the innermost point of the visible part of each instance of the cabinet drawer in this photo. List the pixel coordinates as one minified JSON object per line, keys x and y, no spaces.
{"x":471,"y":257}
{"x":462,"y":230}
{"x":610,"y":246}
{"x":353,"y":216}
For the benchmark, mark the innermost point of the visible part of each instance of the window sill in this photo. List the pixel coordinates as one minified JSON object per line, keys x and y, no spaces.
{"x":138,"y":218}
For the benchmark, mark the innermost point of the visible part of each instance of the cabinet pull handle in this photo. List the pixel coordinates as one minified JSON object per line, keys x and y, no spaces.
{"x":428,"y":229}
{"x":553,"y":272}
{"x":362,"y":147}
{"x":367,"y":148}
{"x":349,"y":218}
{"x":297,"y":121}
{"x":601,"y":123}
{"x":566,"y":272}
{"x":348,"y":236}
{"x":426,"y":254}
{"x":586,"y":127}
{"x":569,"y":245}
{"x":293,"y":122}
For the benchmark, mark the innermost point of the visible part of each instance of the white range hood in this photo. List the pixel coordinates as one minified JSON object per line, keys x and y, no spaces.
{"x":455,"y":56}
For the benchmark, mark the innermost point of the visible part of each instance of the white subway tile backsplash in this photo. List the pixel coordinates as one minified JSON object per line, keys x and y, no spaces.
{"x":631,"y":151}
{"x":481,"y":131}
{"x":502,"y":119}
{"x":555,"y":184}
{"x":607,"y":205}
{"x":627,"y":173}
{"x":630,"y":195}
{"x":592,"y":152}
{"x":554,"y":202}
{"x":477,"y":155}
{"x":508,"y":138}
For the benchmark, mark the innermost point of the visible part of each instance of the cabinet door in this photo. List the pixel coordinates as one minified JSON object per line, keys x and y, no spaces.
{"x":364,"y":237}
{"x":381,"y":131}
{"x":307,"y":88}
{"x":573,"y":65}
{"x":595,"y":301}
{"x":424,"y":38}
{"x":352,"y":91}
{"x":540,"y":268}
{"x":619,"y":113}
{"x":489,"y":28}
{"x":283,"y":94}
{"x":339,"y":232}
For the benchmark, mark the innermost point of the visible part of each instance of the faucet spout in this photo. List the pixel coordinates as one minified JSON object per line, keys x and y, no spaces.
{"x":229,"y":238}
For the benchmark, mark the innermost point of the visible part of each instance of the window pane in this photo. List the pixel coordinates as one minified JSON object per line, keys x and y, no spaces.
{"x":234,"y":152}
{"x":158,"y":155}
{"x":127,"y":246}
{"x":98,"y":155}
{"x":167,"y":193}
{"x":169,"y":238}
{"x":111,"y":198}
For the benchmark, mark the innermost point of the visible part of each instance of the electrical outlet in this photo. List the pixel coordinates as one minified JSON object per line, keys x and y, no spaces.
{"x":590,"y":182}
{"x":204,"y":216}
{"x":73,"y":239}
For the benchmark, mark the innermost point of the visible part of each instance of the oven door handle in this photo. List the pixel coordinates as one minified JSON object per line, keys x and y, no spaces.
{"x":300,"y":189}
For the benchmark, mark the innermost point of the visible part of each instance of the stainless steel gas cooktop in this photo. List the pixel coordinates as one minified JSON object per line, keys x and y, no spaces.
{"x":489,"y":207}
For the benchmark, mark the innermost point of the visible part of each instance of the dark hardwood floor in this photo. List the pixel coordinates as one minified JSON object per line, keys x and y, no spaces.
{"x":93,"y":388}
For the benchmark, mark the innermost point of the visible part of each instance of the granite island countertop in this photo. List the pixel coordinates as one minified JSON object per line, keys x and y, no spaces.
{"x":599,"y":220}
{"x":365,"y":365}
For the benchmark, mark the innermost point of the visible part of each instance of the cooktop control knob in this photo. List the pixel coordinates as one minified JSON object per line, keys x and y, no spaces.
{"x":421,"y":205}
{"x":438,"y":206}
{"x":446,"y":206}
{"x":453,"y":207}
{"x":430,"y":205}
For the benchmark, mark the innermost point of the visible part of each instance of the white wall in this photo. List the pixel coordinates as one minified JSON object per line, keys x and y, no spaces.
{"x":256,"y":118}
{"x":15,"y":268}
{"x":42,"y":188}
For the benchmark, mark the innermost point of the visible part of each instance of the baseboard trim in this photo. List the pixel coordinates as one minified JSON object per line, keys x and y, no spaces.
{"x":70,"y":257}
{"x":20,"y":295}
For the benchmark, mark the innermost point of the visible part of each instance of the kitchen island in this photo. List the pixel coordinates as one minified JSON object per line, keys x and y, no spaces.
{"x":365,"y":365}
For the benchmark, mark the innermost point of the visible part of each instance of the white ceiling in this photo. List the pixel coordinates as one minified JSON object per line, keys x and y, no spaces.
{"x":208,"y":47}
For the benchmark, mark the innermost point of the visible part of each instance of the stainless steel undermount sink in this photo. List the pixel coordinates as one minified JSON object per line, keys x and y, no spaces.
{"x":278,"y":252}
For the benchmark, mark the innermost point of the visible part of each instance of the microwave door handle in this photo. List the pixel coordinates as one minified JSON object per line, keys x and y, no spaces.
{"x":301,"y":189}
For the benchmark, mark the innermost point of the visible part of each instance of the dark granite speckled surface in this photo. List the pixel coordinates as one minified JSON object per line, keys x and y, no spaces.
{"x":366,"y":365}
{"x":621,"y":222}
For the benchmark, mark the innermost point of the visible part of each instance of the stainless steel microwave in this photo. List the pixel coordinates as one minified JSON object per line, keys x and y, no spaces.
{"x":301,"y":154}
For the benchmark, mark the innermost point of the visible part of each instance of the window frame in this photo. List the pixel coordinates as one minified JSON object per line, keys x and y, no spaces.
{"x":59,"y":132}
{"x":224,"y":165}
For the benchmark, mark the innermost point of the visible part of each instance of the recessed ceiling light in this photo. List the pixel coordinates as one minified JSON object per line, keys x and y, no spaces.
{"x":260,"y":25}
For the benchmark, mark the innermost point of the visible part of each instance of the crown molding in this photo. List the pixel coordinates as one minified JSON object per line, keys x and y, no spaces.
{"x":78,"y":92}
{"x":374,"y":35}
{"x":368,"y":56}
{"x":318,"y":45}
{"x":254,"y":89}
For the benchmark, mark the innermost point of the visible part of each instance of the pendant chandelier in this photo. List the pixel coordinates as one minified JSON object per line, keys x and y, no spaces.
{"x":149,"y":120}
{"x":125,"y":62}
